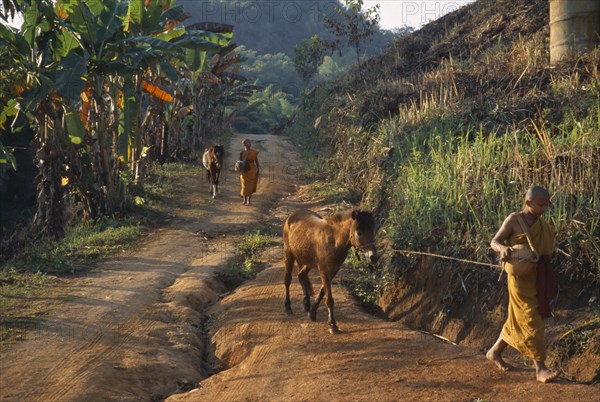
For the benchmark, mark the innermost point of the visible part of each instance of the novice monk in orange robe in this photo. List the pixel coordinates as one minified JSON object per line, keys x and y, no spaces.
{"x":249,"y":178}
{"x":524,"y":327}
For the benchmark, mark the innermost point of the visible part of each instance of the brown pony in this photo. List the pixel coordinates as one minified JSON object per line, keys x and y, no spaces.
{"x":323,"y":243}
{"x":212,"y":159}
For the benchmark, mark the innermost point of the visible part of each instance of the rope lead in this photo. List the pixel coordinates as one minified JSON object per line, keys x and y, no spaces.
{"x":447,"y":258}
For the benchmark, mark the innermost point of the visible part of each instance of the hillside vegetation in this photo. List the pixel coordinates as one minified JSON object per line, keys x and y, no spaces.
{"x":272,"y":27}
{"x":441,"y":140}
{"x":268,"y":32}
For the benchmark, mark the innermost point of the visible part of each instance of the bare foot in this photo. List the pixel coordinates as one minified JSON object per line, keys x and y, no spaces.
{"x":497,"y":360}
{"x":545,"y":375}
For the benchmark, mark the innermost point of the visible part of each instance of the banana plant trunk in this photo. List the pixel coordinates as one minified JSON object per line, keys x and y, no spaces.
{"x":112,"y":196}
{"x":136,"y":147}
{"x":206,"y":123}
{"x":120,"y":194}
{"x":164,"y":141}
{"x":197,"y":132}
{"x":48,"y":219}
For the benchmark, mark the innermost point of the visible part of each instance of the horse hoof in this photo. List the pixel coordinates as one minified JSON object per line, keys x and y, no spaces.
{"x":333,"y":329}
{"x":312,"y":315}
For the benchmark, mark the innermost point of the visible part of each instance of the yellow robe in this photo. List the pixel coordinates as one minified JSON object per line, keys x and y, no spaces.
{"x":249,"y":179}
{"x":524,"y":327}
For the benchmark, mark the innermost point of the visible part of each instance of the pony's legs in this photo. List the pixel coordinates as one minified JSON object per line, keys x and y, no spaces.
{"x":289,"y":266}
{"x":216,"y":183}
{"x":333,"y":328}
{"x":209,"y":178}
{"x":325,"y":291}
{"x":312,"y":314}
{"x":306,"y":286}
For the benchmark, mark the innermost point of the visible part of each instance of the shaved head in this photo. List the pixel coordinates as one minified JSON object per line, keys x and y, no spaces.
{"x":536,"y":193}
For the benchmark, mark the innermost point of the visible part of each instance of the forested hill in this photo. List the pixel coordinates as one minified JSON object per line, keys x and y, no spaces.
{"x":269,"y":26}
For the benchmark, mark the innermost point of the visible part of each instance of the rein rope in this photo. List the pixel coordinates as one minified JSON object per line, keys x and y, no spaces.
{"x":408,"y":252}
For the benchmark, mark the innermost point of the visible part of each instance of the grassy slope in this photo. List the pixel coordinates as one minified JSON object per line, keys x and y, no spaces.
{"x":454,"y":123}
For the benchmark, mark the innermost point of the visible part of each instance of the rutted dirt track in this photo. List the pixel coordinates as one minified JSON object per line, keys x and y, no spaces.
{"x":135,"y":329}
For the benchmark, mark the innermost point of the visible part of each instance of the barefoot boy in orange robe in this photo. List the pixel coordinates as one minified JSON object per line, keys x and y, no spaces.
{"x":524,"y":327}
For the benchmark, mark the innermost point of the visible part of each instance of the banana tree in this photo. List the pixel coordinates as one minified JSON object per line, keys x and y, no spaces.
{"x":33,"y":63}
{"x":148,"y":103}
{"x":120,"y":41}
{"x":95,"y":26}
{"x":199,"y":43}
{"x":238,"y":93}
{"x":206,"y":43}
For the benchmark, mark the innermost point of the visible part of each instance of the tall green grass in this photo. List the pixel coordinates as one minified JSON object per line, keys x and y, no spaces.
{"x":451,"y":192}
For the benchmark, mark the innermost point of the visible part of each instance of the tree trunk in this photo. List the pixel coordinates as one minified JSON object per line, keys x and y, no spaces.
{"x":48,"y":219}
{"x":360,"y":72}
{"x":111,"y":191}
{"x":164,"y":143}
{"x":136,"y":149}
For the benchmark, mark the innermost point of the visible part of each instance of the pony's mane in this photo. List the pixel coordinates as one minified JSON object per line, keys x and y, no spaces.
{"x":340,"y":216}
{"x":365,"y":219}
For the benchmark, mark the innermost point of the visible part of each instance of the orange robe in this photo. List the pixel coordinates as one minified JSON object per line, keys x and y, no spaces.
{"x":524,"y":327}
{"x":249,"y":178}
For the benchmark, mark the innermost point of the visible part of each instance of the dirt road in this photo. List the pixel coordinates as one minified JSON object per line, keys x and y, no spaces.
{"x":136,"y":329}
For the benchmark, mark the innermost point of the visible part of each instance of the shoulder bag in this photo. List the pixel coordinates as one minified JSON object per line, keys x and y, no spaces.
{"x":523,"y":258}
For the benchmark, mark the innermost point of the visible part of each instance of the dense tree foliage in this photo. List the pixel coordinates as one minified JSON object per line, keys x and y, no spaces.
{"x":355,"y":27}
{"x":277,"y":26}
{"x":308,"y":55}
{"x":276,"y":70}
{"x":284,"y":48}
{"x":105,"y":86}
{"x":264,"y":25}
{"x":266,"y":111}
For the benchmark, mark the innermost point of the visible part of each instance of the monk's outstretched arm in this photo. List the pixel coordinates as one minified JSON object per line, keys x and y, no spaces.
{"x":503,"y":234}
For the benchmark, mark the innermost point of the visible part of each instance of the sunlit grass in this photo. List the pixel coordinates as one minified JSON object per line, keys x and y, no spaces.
{"x":162,"y":179}
{"x":245,"y":264}
{"x":455,"y":190}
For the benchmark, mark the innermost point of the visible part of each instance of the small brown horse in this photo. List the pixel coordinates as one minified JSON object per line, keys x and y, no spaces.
{"x":323,"y":243}
{"x":212,"y":159}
